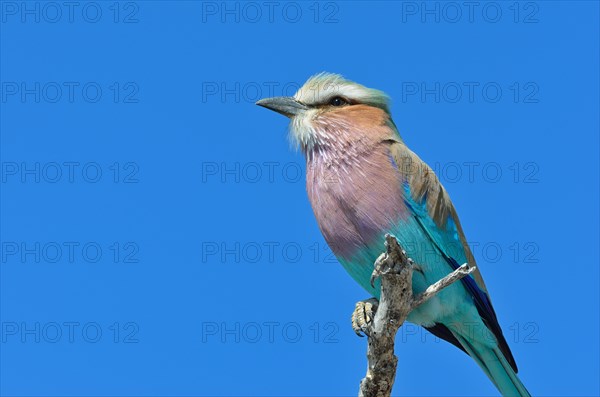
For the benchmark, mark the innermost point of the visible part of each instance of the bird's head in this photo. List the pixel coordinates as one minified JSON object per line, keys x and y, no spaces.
{"x":329,"y":109}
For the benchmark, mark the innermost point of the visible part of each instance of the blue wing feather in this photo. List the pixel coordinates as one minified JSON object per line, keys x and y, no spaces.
{"x":439,"y":239}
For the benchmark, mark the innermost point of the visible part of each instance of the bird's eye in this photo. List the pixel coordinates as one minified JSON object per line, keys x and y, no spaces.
{"x":337,"y":101}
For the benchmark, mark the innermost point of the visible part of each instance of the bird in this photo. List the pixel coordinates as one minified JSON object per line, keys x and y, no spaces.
{"x":363,"y":182}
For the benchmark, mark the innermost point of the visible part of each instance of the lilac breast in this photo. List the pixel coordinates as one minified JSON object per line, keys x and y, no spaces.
{"x":356,"y":197}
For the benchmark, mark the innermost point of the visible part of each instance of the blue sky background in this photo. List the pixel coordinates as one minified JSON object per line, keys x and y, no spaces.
{"x":156,"y":234}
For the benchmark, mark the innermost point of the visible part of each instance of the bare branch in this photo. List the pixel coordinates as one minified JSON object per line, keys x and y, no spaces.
{"x":441,"y":284}
{"x":395,"y":270}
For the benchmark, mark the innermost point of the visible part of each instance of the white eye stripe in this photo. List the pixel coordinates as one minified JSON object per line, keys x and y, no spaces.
{"x":322,"y":88}
{"x":314,"y":95}
{"x":339,"y":101}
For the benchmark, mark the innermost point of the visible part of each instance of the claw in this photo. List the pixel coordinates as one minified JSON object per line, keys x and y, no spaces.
{"x":379,"y":263}
{"x":363,"y":316}
{"x":394,"y":257}
{"x":374,"y":276}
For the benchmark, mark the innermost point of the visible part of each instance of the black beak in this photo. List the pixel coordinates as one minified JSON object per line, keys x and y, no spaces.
{"x":285,"y":105}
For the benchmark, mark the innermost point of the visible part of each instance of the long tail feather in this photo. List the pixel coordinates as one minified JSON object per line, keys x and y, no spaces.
{"x":496,"y":367}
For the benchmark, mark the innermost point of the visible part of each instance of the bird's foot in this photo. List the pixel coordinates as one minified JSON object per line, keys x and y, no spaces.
{"x":363,"y":316}
{"x":393,"y":260}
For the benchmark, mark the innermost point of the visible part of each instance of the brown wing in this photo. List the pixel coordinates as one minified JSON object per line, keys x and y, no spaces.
{"x":425,"y":185}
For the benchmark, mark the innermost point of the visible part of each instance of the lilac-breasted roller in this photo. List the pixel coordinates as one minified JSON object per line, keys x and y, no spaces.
{"x":364,"y":182}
